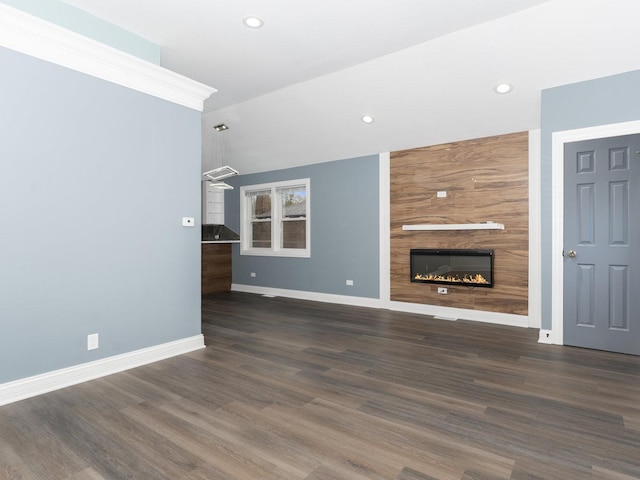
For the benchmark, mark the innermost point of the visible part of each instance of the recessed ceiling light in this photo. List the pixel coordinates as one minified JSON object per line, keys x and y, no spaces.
{"x":253,"y":22}
{"x":503,"y":88}
{"x":367,"y":119}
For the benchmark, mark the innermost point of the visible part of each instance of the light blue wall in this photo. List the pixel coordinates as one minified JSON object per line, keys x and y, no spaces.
{"x":344,"y":231}
{"x":94,"y":180}
{"x":596,"y":102}
{"x":79,"y":21}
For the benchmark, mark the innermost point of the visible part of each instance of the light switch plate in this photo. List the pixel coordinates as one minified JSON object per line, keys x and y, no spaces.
{"x":92,"y":341}
{"x":188,"y":221}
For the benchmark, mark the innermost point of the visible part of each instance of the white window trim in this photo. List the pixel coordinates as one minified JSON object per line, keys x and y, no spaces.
{"x":245,"y":219}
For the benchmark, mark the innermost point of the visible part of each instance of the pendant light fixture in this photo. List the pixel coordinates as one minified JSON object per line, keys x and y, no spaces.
{"x":220,"y":153}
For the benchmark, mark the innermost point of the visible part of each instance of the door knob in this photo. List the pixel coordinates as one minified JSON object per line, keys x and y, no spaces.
{"x":571,"y":254}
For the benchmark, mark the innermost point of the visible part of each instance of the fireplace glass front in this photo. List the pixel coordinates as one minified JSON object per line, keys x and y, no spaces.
{"x":473,"y":268}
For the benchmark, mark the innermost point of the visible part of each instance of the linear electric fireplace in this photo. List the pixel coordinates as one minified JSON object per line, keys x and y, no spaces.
{"x":473,"y":268}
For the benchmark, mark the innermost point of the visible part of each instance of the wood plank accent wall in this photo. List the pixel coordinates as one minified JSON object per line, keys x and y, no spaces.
{"x":216,"y":267}
{"x":485,"y":179}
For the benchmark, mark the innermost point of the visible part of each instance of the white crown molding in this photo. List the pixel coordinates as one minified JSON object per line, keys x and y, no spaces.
{"x":38,"y":38}
{"x":47,"y":382}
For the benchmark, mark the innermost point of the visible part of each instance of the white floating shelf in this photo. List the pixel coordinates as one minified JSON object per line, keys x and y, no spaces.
{"x":455,"y":226}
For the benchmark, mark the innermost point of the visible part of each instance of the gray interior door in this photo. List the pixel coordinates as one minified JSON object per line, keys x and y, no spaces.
{"x":602,"y":244}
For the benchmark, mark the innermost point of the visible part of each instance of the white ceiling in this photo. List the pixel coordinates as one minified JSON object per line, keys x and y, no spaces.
{"x":293,"y":91}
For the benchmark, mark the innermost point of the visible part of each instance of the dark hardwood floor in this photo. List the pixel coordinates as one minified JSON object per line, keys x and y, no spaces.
{"x":288,"y":389}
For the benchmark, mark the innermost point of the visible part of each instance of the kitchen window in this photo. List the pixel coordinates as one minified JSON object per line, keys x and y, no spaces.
{"x":275,"y":219}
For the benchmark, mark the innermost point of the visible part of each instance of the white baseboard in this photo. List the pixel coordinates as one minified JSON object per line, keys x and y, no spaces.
{"x":313,"y":296}
{"x":31,"y":386}
{"x":451,"y":313}
{"x":445,"y":312}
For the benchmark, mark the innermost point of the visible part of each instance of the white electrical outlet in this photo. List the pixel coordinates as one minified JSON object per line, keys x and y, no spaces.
{"x":350,"y":283}
{"x":442,"y":194}
{"x":92,"y":341}
{"x":253,"y":274}
{"x":442,"y":290}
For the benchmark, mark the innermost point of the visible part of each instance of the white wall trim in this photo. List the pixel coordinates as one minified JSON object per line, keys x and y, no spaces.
{"x":385,"y":228}
{"x":462,"y":314}
{"x":558,"y":139}
{"x":47,"y":41}
{"x":535,"y":227}
{"x":31,"y":386}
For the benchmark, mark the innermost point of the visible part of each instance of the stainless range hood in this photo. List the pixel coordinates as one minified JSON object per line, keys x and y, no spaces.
{"x":213,"y":227}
